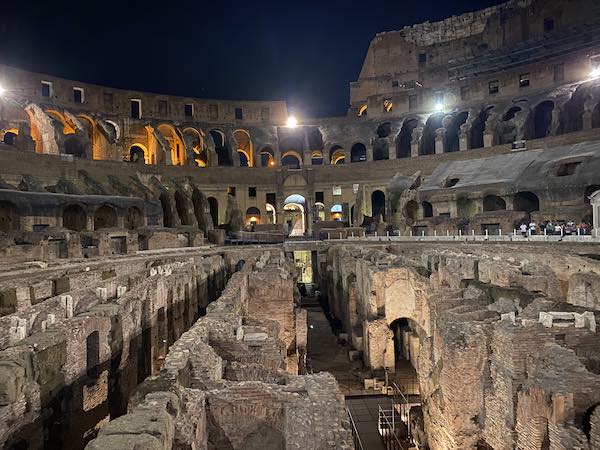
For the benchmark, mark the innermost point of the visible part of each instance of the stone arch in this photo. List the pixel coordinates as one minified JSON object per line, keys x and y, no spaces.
{"x":294,"y":212}
{"x":571,"y":114}
{"x":384,"y":130}
{"x":245,"y":149}
{"x":358,"y":153}
{"x":267,"y":157}
{"x":586,"y":420}
{"x":181,"y":205}
{"x":74,"y":218}
{"x":292,"y":159}
{"x":9,"y":136}
{"x":452,"y":134}
{"x":493,"y":203}
{"x":541,"y":120}
{"x":526,"y":201}
{"x":9,"y":216}
{"x":176,"y":144}
{"x":134,"y":218}
{"x":427,"y":209}
{"x":221,"y":148}
{"x":253,"y":215}
{"x":138,"y":154}
{"x":434,"y":122}
{"x":478,"y":128}
{"x":105,"y":217}
{"x":213,"y":207}
{"x":378,"y":205}
{"x":316,"y":158}
{"x":404,"y":139}
{"x":596,"y":116}
{"x":411,"y":210}
{"x":337,"y":155}
{"x":195,"y":140}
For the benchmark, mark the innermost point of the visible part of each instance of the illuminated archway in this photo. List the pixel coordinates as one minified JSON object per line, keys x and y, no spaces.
{"x":221,"y":148}
{"x":252,"y":216}
{"x":319,"y":211}
{"x":337,"y":155}
{"x":317,"y":158}
{"x":294,"y":214}
{"x":271,"y":214}
{"x":291,"y":158}
{"x":195,"y":139}
{"x":175,"y":142}
{"x":138,"y":153}
{"x":244,"y":148}
{"x":267,"y":157}
{"x":9,"y":136}
{"x":362,"y":110}
{"x":337,"y":213}
{"x":68,"y":126}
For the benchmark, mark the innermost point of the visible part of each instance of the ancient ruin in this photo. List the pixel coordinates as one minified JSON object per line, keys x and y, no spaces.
{"x":422,"y":273}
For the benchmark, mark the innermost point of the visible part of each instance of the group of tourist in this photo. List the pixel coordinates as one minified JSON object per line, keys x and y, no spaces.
{"x":554,"y":228}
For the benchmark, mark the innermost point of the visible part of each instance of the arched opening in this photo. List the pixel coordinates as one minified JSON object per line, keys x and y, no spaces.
{"x":596,"y":116}
{"x":378,"y":206}
{"x":427,"y":209}
{"x":76,"y":145}
{"x":181,"y":205}
{"x":9,"y":137}
{"x":337,"y":155}
{"x":411,"y":210}
{"x":358,"y":153}
{"x":176,"y":145}
{"x":252,"y":216}
{"x":362,"y":111}
{"x":511,"y":113}
{"x":195,"y":140}
{"x":542,"y":119}
{"x":137,"y":154}
{"x":478,"y":128}
{"x":316,"y":158}
{"x":586,"y":420}
{"x":105,"y":217}
{"x":571,"y":117}
{"x":213,"y":207}
{"x":319,"y":211}
{"x":271,"y":216}
{"x":493,"y":203}
{"x":337,"y":213}
{"x":406,"y":347}
{"x":221,"y":148}
{"x":452,"y":135}
{"x":199,"y":203}
{"x":384,"y":130}
{"x":92,"y":344}
{"x":404,"y":139}
{"x":9,"y":217}
{"x":291,"y":159}
{"x":381,"y":149}
{"x":294,"y":214}
{"x":74,"y":218}
{"x":244,"y":148}
{"x":526,"y":201}
{"x":267,"y":157}
{"x":165,"y":202}
{"x":506,"y":130}
{"x":134,"y":218}
{"x":429,"y":132}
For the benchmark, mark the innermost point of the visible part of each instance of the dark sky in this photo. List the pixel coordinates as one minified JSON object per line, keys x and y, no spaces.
{"x":305,"y":52}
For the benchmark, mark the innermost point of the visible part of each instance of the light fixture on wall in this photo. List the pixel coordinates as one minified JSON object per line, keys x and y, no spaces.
{"x":292,"y":122}
{"x":439,"y":107}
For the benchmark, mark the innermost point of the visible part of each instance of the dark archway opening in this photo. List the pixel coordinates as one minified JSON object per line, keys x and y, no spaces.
{"x":427,"y":209}
{"x":493,"y":203}
{"x":105,"y":217}
{"x":452,"y":135}
{"x":74,"y":218}
{"x":213,"y":206}
{"x":526,"y":201}
{"x":133,"y":218}
{"x":358,"y":153}
{"x":136,"y":154}
{"x":542,"y":119}
{"x":429,"y":132}
{"x":571,"y":117}
{"x":291,"y":160}
{"x":221,"y":148}
{"x":404,"y":139}
{"x":9,"y":138}
{"x":411,"y":210}
{"x":378,"y":205}
{"x":478,"y":128}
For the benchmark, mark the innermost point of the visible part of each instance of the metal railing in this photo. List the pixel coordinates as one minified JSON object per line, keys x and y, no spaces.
{"x":386,"y":425}
{"x":355,"y":436}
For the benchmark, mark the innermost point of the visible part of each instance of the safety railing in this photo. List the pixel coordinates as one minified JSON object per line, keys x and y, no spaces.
{"x":355,"y":436}
{"x":386,"y":425}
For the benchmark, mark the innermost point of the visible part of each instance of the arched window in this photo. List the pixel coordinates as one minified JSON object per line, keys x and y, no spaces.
{"x":316,"y":158}
{"x":478,"y":128}
{"x":74,"y":218}
{"x":452,"y":135}
{"x":267,"y":157}
{"x":244,"y":148}
{"x":493,"y":203}
{"x":337,"y":155}
{"x":291,"y":159}
{"x":252,"y":215}
{"x":137,"y":154}
{"x":542,"y":119}
{"x":221,"y":148}
{"x":9,"y":138}
{"x":404,"y":139}
{"x":429,"y":132}
{"x":526,"y":201}
{"x":105,"y":217}
{"x":427,"y":209}
{"x":358,"y":153}
{"x":378,"y":205}
{"x":337,"y":212}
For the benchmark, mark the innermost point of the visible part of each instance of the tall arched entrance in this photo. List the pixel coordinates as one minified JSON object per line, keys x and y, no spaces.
{"x":294,"y":214}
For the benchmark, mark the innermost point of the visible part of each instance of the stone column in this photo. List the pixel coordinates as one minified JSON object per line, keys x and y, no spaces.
{"x":439,"y":140}
{"x":89,"y":222}
{"x":415,"y":142}
{"x":391,"y":150}
{"x":308,"y":158}
{"x":587,"y":120}
{"x":463,"y":137}
{"x":120,"y":221}
{"x":369,"y":152}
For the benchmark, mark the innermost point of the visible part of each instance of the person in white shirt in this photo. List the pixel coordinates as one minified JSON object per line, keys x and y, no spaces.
{"x":523,"y":229}
{"x":532,"y":228}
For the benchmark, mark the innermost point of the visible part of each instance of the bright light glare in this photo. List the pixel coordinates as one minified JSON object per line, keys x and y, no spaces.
{"x":2,"y":90}
{"x":292,"y":122}
{"x":439,"y":107}
{"x":595,"y":73}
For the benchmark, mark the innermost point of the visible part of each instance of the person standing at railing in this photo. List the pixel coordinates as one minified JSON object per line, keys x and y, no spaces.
{"x":532,"y":228}
{"x":550,"y":228}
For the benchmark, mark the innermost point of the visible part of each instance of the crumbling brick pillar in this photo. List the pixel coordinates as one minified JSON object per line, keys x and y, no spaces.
{"x":439,"y":140}
{"x":463,"y":137}
{"x":415,"y":142}
{"x":369,"y":152}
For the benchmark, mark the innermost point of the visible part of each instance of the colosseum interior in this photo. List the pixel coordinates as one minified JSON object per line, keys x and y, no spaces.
{"x":422,"y":273}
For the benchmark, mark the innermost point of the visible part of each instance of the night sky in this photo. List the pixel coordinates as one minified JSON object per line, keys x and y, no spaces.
{"x":305,"y":52}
